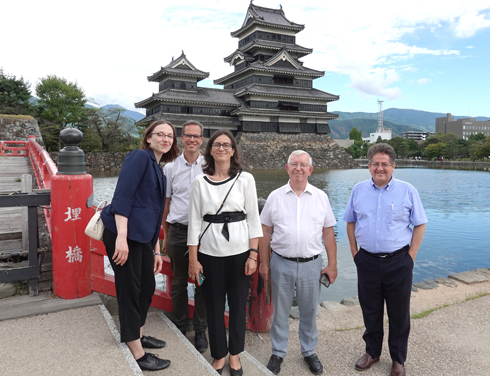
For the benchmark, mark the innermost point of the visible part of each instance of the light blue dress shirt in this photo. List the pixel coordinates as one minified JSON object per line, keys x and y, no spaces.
{"x":383,"y":216}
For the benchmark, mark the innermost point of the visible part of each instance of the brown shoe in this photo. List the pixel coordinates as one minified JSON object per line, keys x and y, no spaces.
{"x":366,"y":362}
{"x":397,"y":369}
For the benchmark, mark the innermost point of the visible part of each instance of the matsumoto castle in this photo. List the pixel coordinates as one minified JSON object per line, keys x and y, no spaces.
{"x":269,"y":90}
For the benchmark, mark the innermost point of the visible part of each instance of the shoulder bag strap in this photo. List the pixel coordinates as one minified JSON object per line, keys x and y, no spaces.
{"x":221,"y":207}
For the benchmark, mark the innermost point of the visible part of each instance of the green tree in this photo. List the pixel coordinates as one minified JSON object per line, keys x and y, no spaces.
{"x":477,"y":137}
{"x":61,"y":103}
{"x":116,"y":131}
{"x":356,"y":135}
{"x":480,"y":149}
{"x":436,"y":151}
{"x":14,"y":95}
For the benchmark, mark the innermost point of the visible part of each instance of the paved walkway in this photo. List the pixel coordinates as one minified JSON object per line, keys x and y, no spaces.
{"x":44,"y":336}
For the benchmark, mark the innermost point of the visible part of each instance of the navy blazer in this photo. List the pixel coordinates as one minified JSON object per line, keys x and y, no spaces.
{"x":139,"y":196}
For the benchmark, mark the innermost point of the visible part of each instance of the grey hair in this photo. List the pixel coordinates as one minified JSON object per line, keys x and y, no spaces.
{"x":191,"y":122}
{"x":381,"y":148}
{"x":300,"y":152}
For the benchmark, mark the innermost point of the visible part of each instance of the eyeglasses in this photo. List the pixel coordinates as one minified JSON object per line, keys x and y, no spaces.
{"x":217,"y":146}
{"x":190,"y":136}
{"x":384,"y":164}
{"x":163,"y":135}
{"x":303,"y":166}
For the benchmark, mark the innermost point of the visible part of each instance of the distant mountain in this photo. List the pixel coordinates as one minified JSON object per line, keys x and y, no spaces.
{"x":136,"y":116}
{"x":399,"y":120}
{"x":341,"y":128}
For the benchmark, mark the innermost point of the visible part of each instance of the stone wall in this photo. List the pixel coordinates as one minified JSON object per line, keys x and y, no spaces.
{"x":259,"y":151}
{"x":271,"y":150}
{"x":19,"y":128}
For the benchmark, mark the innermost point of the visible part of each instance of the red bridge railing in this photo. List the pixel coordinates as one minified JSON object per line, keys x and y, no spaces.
{"x":13,"y":148}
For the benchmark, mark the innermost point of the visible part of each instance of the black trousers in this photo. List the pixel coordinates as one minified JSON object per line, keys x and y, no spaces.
{"x":135,"y":285}
{"x":385,"y":280}
{"x":176,"y":248}
{"x":225,"y":276}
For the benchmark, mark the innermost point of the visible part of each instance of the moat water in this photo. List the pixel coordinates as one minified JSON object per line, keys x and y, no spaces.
{"x":457,"y":204}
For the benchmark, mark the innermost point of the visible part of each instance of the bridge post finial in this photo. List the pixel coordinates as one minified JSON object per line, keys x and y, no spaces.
{"x":71,"y":158}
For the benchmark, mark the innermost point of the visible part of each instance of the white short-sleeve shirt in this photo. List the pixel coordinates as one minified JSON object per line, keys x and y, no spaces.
{"x":297,"y":221}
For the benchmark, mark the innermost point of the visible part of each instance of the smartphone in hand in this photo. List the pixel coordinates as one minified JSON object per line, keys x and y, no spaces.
{"x":324,"y":280}
{"x":201,"y":279}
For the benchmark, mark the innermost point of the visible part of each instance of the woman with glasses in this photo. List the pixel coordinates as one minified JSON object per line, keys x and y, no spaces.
{"x":223,"y":240}
{"x":132,"y":225}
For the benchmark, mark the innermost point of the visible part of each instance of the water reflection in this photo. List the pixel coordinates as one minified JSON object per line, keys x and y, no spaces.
{"x":456,"y":202}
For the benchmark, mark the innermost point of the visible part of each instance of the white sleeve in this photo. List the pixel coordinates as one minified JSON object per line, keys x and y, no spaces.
{"x":252,"y":208}
{"x":195,"y":215}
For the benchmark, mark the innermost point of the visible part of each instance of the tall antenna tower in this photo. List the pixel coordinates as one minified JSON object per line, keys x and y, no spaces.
{"x":380,"y":129}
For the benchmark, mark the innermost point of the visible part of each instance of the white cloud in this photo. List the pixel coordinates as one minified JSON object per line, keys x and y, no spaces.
{"x":470,"y":23}
{"x":423,"y":81}
{"x":110,"y":47}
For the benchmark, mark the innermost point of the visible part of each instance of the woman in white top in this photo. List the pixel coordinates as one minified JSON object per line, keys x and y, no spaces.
{"x":227,"y":254}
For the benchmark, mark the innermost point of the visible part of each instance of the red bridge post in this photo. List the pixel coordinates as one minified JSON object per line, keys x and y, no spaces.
{"x":71,"y":191}
{"x":260,"y":307}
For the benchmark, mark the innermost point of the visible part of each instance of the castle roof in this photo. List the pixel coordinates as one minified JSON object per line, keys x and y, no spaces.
{"x":269,"y":45}
{"x":285,"y":92}
{"x":179,"y":67}
{"x":261,"y":16}
{"x":261,"y":66}
{"x":201,"y":96}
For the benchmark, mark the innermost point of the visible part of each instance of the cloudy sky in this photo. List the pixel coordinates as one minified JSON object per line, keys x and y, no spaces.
{"x":429,"y":55}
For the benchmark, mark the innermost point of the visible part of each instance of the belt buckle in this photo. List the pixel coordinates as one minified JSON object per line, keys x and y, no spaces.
{"x":383,"y":256}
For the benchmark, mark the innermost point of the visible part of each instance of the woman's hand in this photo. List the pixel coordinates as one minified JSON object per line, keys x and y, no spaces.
{"x":157,"y":259}
{"x":250,"y":266}
{"x":121,"y":251}
{"x":195,"y":268}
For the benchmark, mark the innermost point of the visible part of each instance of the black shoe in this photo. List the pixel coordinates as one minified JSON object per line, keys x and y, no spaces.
{"x":153,"y":363}
{"x":236,"y":372}
{"x":314,"y":363}
{"x":201,"y":342}
{"x":274,"y":364}
{"x":152,"y":343}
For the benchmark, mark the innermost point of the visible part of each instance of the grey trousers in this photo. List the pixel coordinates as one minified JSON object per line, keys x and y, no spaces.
{"x":176,"y":248}
{"x":288,"y":276}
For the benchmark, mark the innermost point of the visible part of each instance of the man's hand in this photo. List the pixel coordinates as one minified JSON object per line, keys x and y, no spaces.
{"x":331,"y":271}
{"x":264,"y":271}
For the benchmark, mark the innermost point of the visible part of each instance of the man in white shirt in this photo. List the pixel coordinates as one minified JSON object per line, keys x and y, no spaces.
{"x":180,"y":174}
{"x":300,"y":214}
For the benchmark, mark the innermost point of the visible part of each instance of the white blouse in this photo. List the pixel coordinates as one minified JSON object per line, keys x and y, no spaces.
{"x":206,"y":197}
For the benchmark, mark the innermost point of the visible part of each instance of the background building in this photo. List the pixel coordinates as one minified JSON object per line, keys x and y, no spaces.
{"x":463,"y":128}
{"x":417,"y":135}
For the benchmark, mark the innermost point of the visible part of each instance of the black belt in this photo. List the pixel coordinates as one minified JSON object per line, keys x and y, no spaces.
{"x":387,"y":255}
{"x":225,"y":217}
{"x":180,"y":226}
{"x":298,"y":259}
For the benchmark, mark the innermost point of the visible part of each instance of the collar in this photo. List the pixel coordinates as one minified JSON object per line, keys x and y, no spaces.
{"x":388,"y":186}
{"x":308,"y":188}
{"x":198,"y":160}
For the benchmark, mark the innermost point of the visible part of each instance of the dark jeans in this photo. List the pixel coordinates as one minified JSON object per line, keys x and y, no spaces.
{"x":176,"y":248}
{"x":135,"y":284}
{"x":385,"y":280}
{"x":225,"y":276}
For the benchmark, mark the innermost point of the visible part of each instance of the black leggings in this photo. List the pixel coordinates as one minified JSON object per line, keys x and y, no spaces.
{"x":135,"y":284}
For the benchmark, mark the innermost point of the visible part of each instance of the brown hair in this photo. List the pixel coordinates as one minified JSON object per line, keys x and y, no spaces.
{"x":235,"y":162}
{"x":174,"y":150}
{"x":382,"y":148}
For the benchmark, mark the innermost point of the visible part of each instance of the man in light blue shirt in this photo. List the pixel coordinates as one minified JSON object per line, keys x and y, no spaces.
{"x":379,"y":217}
